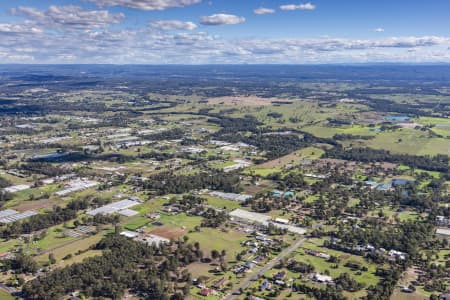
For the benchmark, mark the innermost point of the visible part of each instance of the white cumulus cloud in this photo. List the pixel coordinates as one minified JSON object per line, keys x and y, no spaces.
{"x":264,"y":11}
{"x":173,"y":25}
{"x":69,"y":16}
{"x":379,"y":29}
{"x":23,"y":28}
{"x":221,"y":19}
{"x":303,"y":6}
{"x":146,"y":4}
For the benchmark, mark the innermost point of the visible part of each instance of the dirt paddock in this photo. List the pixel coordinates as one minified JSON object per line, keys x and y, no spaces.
{"x":168,"y":233}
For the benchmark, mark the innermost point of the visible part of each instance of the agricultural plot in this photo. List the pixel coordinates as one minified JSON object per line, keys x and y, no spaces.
{"x":409,"y":141}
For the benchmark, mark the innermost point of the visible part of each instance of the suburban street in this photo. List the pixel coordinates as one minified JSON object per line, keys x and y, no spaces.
{"x":248,"y":281}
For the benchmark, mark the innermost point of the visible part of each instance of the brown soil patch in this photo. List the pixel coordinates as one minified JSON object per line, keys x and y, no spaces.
{"x":280,"y":162}
{"x":344,"y":256}
{"x":168,"y":233}
{"x":409,"y":125}
{"x":35,"y":205}
{"x":244,"y":101}
{"x":388,"y":166}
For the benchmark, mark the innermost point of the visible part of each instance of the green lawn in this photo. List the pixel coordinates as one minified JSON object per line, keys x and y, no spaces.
{"x":263,"y":172}
{"x":210,"y":238}
{"x":180,"y":220}
{"x":83,"y":244}
{"x":222,"y":203}
{"x":152,"y":205}
{"x":6,"y":246}
{"x":52,"y":239}
{"x":79,"y":258}
{"x":6,"y":296}
{"x":136,"y":223}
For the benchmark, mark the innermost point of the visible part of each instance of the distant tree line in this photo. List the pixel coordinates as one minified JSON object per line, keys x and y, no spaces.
{"x":431,"y":163}
{"x":345,"y":137}
{"x":171,"y":134}
{"x":170,"y":183}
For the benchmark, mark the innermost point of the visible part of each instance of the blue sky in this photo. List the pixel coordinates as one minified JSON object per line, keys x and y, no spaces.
{"x":224,"y":31}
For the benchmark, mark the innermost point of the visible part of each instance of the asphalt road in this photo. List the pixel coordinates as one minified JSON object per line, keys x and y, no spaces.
{"x":248,"y":281}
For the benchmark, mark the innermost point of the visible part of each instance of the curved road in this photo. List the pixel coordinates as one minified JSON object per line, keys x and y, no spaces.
{"x":248,"y":281}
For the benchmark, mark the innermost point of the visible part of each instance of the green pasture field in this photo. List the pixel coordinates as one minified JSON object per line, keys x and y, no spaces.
{"x":222,"y":203}
{"x":442,"y":130}
{"x":7,"y":245}
{"x":180,"y":220}
{"x":328,"y":131}
{"x":6,"y":296}
{"x":151,"y":205}
{"x":211,"y":238}
{"x":53,"y":238}
{"x":79,"y":258}
{"x":263,"y":172}
{"x":136,"y":222}
{"x":409,"y":141}
{"x":72,"y":248}
{"x":433,"y":121}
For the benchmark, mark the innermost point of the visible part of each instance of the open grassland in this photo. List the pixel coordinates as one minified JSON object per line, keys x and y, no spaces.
{"x":136,"y":222}
{"x":329,"y":131}
{"x":72,"y":248}
{"x":53,"y":238}
{"x":78,"y":258}
{"x":8,"y":245}
{"x":442,"y":130}
{"x":180,"y":221}
{"x":6,"y":296}
{"x":296,"y":115}
{"x":215,"y":239}
{"x":262,"y":172}
{"x":433,"y":121}
{"x":152,"y":205}
{"x":309,"y":153}
{"x":222,"y":203}
{"x":410,"y":141}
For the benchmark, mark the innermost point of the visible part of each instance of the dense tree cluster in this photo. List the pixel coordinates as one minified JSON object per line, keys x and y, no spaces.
{"x":405,"y":237}
{"x":4,"y":183}
{"x":170,"y":183}
{"x":56,"y":216}
{"x":384,"y":289}
{"x":347,"y":283}
{"x":42,"y":168}
{"x":300,"y":267}
{"x":327,"y":293}
{"x":21,"y":263}
{"x":152,"y":272}
{"x":213,"y":218}
{"x":436,"y":163}
{"x":345,"y":137}
{"x":171,"y":134}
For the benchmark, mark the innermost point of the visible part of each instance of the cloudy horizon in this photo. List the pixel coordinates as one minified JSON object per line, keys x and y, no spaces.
{"x":220,"y":32}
